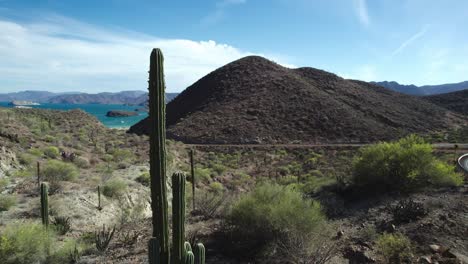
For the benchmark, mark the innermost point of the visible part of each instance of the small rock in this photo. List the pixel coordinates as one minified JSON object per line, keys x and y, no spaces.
{"x":434,"y":248}
{"x":340,"y":234}
{"x":425,"y":260}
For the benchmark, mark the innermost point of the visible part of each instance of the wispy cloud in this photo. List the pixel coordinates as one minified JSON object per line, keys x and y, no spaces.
{"x":360,"y":7}
{"x":410,"y":40}
{"x":220,"y":12}
{"x":61,"y":54}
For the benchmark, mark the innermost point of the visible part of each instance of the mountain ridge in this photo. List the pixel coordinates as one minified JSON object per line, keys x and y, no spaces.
{"x":254,"y":100}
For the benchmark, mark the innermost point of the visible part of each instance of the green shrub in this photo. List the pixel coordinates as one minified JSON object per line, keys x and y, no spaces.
{"x":395,"y":248}
{"x":50,"y":139}
{"x":218,"y":168}
{"x":23,"y":173}
{"x":24,"y":243}
{"x":108,"y":158}
{"x":3,"y":183}
{"x":312,"y":184}
{"x":36,"y":152}
{"x":120,"y":155}
{"x":403,"y":165}
{"x":114,"y":188}
{"x":51,"y":152}
{"x":444,"y":175}
{"x":81,"y":162}
{"x":144,"y":179}
{"x":272,"y":214}
{"x":7,"y":201}
{"x":216,"y":187}
{"x":55,"y":170}
{"x":25,"y":159}
{"x":202,"y":174}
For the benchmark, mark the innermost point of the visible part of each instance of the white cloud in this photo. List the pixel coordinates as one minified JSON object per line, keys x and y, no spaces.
{"x":410,"y":40}
{"x":360,"y":7}
{"x":60,"y":54}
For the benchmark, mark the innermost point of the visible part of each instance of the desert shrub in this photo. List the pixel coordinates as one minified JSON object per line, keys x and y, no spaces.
{"x":62,"y":224}
{"x":313,"y":184}
{"x":403,"y":165}
{"x":132,"y":210}
{"x":103,"y":238}
{"x":3,"y":183}
{"x":287,"y":180}
{"x":81,"y":162}
{"x":210,"y":204}
{"x":50,"y":139}
{"x":26,"y":159}
{"x":395,"y":248}
{"x":202,"y":174}
{"x":36,"y":152}
{"x":123,"y":165}
{"x":216,"y":187}
{"x":273,"y":214}
{"x":51,"y":152}
{"x":7,"y":201}
{"x":94,"y":161}
{"x":406,"y":211}
{"x":144,"y":179}
{"x":120,"y":155}
{"x":56,"y":170}
{"x":218,"y":168}
{"x":68,"y":252}
{"x":24,"y":243}
{"x":23,"y":173}
{"x":107,"y":158}
{"x":368,"y":233}
{"x":444,"y":175}
{"x":114,"y":188}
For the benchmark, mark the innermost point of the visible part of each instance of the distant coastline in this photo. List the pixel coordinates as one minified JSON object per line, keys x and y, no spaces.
{"x":97,"y":110}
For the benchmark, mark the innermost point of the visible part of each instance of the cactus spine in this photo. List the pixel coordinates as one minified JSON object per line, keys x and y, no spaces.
{"x":158,"y":155}
{"x":192,"y":171}
{"x":45,"y":205}
{"x":158,"y":245}
{"x":178,"y":217}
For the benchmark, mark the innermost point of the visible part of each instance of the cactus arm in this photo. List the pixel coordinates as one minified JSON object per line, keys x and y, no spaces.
{"x":199,"y":253}
{"x":45,"y":205}
{"x":178,"y":218}
{"x":189,"y":258}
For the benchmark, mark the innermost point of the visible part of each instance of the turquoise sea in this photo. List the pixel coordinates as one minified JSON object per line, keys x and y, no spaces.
{"x":99,"y":111}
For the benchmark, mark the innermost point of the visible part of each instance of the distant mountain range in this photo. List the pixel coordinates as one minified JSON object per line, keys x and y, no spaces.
{"x":124,"y":97}
{"x":424,"y":90}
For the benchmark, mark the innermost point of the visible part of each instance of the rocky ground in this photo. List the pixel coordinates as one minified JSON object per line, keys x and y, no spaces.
{"x":438,"y":234}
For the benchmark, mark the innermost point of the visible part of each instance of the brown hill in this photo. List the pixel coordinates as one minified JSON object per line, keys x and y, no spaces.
{"x":454,"y":101}
{"x":253,"y":100}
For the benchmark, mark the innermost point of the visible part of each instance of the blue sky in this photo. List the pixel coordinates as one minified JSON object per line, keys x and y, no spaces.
{"x":96,"y":46}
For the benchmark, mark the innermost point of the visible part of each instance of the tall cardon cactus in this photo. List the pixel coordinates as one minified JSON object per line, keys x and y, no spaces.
{"x":158,"y":247}
{"x":157,"y":119}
